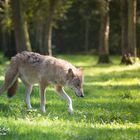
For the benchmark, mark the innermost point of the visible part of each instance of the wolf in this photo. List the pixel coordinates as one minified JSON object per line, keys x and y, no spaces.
{"x":33,"y":68}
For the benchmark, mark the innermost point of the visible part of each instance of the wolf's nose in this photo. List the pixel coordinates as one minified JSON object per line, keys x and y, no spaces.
{"x":82,"y":96}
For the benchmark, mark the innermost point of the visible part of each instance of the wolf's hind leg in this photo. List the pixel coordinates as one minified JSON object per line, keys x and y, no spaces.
{"x":64,"y":96}
{"x":27,"y":95}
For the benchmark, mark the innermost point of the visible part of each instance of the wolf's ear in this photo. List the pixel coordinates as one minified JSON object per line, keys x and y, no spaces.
{"x":70,"y":73}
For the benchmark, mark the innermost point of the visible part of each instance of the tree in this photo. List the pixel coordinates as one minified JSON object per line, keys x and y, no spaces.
{"x":104,"y":33}
{"x":51,"y":11}
{"x":128,"y":37}
{"x":20,"y":26}
{"x":124,"y":27}
{"x":132,"y":27}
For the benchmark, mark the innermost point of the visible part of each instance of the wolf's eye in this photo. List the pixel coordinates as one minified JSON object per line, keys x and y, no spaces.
{"x":78,"y":85}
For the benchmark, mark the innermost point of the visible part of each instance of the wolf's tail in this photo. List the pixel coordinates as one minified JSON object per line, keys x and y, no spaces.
{"x":12,"y":90}
{"x":11,"y":78}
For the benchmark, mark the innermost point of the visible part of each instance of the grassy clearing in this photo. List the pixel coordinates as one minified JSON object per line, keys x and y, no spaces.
{"x":110,"y":110}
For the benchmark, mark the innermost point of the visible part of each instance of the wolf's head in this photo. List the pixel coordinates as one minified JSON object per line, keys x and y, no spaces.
{"x":75,"y":81}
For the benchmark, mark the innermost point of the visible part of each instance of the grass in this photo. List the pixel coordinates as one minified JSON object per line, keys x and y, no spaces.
{"x":109,"y":111}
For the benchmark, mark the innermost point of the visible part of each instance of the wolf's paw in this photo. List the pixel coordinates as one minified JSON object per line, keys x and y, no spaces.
{"x":43,"y":109}
{"x":70,"y":110}
{"x":31,"y":110}
{"x":29,"y":107}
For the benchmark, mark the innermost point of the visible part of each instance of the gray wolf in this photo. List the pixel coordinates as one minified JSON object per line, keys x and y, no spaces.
{"x":33,"y":68}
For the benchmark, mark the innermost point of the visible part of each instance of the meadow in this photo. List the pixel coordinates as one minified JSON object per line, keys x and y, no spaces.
{"x":109,"y":111}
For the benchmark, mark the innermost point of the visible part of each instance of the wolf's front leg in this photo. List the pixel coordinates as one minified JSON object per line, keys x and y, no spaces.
{"x":27,"y":96}
{"x":42,"y":97}
{"x":64,"y":95}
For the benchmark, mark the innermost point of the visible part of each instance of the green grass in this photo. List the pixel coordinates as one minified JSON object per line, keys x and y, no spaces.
{"x":109,"y":111}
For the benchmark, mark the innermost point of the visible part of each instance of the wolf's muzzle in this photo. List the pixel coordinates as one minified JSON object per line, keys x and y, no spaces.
{"x":81,"y":95}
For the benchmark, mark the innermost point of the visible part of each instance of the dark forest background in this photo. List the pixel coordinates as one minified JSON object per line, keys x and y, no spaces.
{"x":102,"y":27}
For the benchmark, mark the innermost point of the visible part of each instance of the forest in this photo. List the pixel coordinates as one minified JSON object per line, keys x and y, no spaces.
{"x":101,"y":27}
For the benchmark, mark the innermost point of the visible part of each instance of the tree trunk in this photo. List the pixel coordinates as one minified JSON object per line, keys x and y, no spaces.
{"x":124,"y":25}
{"x":49,"y":35}
{"x":39,"y":36}
{"x":104,"y":35}
{"x":128,"y":18}
{"x":124,"y":32}
{"x":20,"y":26}
{"x":27,"y":39}
{"x":86,"y":34}
{"x":49,"y":26}
{"x":132,"y":28}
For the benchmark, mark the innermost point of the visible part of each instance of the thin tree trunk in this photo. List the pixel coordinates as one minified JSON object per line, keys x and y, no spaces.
{"x":104,"y":36}
{"x":47,"y":40}
{"x":20,"y":26}
{"x":27,"y":39}
{"x":132,"y":27}
{"x":86,"y":34}
{"x":39,"y":36}
{"x":49,"y":32}
{"x":49,"y":26}
{"x":124,"y":25}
